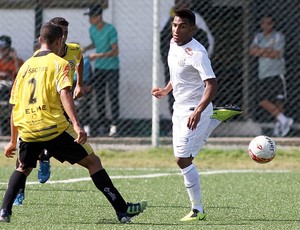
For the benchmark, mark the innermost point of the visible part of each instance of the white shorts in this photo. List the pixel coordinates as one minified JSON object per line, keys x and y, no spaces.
{"x":187,"y":143}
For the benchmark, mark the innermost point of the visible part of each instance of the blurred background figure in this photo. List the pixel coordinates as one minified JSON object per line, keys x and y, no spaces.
{"x":84,"y":103}
{"x":106,"y":76}
{"x":268,"y":46}
{"x":9,"y":66}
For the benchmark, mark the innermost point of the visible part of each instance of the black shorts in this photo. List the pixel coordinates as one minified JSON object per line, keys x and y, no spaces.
{"x":271,"y":88}
{"x":63,"y":148}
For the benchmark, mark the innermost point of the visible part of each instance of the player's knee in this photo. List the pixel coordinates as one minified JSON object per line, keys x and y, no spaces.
{"x":184,"y":162}
{"x":92,"y":163}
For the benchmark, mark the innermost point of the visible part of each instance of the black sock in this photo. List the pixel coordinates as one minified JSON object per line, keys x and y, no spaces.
{"x":105,"y":185}
{"x":45,"y":156}
{"x":16,"y":181}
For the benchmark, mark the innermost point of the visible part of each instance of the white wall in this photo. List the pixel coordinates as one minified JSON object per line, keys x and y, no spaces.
{"x":133,"y":21}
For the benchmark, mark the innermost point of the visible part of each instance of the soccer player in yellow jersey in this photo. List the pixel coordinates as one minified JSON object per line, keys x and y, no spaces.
{"x":71,"y":52}
{"x":40,"y":95}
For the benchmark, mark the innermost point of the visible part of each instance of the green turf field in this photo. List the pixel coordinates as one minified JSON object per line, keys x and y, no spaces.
{"x":237,"y":192}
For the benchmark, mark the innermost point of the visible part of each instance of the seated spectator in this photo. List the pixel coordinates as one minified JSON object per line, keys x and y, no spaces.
{"x":9,"y":61}
{"x":9,"y":66}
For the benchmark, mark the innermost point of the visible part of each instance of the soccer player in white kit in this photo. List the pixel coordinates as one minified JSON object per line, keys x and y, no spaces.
{"x":194,"y":86}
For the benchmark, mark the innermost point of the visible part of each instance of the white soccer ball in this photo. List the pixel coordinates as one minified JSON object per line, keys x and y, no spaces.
{"x":262,"y":149}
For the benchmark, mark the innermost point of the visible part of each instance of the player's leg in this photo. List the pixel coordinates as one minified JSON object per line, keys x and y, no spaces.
{"x":186,"y":144}
{"x":44,"y":170}
{"x":222,"y":114}
{"x":84,"y":156}
{"x":28,"y":155}
{"x":21,"y":193}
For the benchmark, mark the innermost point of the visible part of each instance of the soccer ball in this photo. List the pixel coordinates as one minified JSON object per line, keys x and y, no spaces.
{"x":262,"y":149}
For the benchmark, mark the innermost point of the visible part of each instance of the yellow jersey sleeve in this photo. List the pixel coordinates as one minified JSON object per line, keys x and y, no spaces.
{"x":73,"y":56}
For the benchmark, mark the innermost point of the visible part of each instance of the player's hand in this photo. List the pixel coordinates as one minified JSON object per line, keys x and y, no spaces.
{"x":193,"y":120}
{"x":78,"y":92}
{"x":81,"y":135}
{"x":9,"y":150}
{"x":158,"y":92}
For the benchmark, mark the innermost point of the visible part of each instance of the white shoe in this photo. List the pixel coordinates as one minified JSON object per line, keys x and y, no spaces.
{"x":87,"y":130}
{"x":286,"y":126}
{"x":112,"y":131}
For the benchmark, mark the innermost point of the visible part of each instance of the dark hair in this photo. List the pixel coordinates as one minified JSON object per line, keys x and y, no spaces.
{"x":5,"y":41}
{"x":51,"y":32}
{"x":59,"y":21}
{"x":188,"y":14}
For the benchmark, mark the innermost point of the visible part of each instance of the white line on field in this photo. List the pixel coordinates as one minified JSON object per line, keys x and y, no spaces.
{"x":154,"y":175}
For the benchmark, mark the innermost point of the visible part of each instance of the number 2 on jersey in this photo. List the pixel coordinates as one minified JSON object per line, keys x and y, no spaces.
{"x":32,"y":99}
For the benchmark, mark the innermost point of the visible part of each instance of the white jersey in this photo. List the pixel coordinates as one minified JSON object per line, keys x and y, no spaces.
{"x":189,"y":67}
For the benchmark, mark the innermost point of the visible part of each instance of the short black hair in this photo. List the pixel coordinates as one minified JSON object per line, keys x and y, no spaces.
{"x":59,"y":21}
{"x":5,"y":41}
{"x":50,"y":32}
{"x":188,"y":14}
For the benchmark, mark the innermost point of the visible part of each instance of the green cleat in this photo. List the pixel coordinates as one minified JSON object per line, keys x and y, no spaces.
{"x":133,"y":209}
{"x":226,"y":112}
{"x":194,"y":215}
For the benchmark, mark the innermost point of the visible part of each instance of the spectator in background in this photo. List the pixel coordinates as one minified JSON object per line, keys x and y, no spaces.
{"x":202,"y":34}
{"x":83,"y":103}
{"x":9,"y":61}
{"x":106,"y":74}
{"x":268,"y":46}
{"x":9,"y":66}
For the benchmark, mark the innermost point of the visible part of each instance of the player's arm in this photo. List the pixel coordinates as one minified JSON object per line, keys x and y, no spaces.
{"x":160,"y":92}
{"x":210,"y":92}
{"x":69,"y":107}
{"x":9,"y":149}
{"x":79,"y":89}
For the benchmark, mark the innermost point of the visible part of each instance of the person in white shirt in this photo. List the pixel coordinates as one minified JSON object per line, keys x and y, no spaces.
{"x":202,"y":34}
{"x":194,"y":87}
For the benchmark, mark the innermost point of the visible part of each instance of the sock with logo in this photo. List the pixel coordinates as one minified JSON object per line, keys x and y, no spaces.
{"x":192,"y":184}
{"x":105,"y":185}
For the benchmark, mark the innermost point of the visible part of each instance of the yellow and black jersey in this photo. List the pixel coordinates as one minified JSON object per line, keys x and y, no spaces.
{"x":73,"y":55}
{"x":38,"y":113}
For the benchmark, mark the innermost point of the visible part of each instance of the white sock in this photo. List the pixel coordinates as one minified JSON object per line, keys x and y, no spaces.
{"x":281,"y":118}
{"x":192,"y":184}
{"x":213,"y":123}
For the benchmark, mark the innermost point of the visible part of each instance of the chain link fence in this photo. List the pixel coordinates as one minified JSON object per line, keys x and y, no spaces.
{"x":228,"y":28}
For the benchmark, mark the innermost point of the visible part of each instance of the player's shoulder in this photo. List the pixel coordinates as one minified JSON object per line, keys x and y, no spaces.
{"x":195,"y":47}
{"x":73,"y":46}
{"x":57,"y":60}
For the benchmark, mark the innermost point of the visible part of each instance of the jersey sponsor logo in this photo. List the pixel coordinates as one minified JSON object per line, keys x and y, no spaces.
{"x":36,"y":109}
{"x":72,"y":64}
{"x":189,"y":51}
{"x":38,"y":69}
